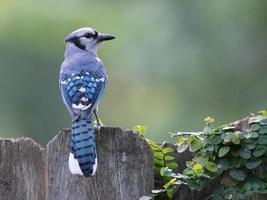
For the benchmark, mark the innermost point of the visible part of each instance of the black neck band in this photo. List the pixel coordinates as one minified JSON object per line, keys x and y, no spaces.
{"x":77,"y":42}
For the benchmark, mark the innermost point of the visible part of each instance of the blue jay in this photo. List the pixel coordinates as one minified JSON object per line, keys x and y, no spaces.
{"x":82,"y":83}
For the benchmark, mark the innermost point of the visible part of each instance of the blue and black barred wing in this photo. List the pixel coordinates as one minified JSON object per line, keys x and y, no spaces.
{"x":81,"y":92}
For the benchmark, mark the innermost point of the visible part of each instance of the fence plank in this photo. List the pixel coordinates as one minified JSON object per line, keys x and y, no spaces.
{"x":21,"y":170}
{"x":125,"y":168}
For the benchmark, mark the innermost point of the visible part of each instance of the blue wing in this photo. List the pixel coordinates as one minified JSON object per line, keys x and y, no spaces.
{"x":81,"y":92}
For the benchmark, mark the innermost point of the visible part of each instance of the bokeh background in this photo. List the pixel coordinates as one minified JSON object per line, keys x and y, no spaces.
{"x":173,"y":62}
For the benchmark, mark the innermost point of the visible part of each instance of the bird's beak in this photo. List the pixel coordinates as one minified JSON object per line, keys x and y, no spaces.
{"x":103,"y":37}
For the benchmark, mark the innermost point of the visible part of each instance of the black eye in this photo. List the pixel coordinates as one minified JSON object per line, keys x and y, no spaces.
{"x":95,"y":34}
{"x":88,"y":35}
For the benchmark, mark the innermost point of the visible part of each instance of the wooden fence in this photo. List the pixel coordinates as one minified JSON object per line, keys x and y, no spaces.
{"x":125,"y":170}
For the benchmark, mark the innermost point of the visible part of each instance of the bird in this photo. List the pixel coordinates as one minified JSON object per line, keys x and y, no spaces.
{"x":82,"y":81}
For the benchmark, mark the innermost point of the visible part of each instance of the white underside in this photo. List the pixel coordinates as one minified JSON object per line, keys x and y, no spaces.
{"x":75,"y":168}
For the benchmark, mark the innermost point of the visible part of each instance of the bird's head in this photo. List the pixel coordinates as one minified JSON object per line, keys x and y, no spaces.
{"x":87,"y":39}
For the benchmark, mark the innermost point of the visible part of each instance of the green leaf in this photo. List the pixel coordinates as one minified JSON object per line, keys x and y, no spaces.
{"x":202,"y":159}
{"x":244,"y":153}
{"x":262,"y":191}
{"x":195,"y":144}
{"x":169,"y":158}
{"x":262,"y":139}
{"x":181,"y":148}
{"x":235,"y":162}
{"x":172,"y":165}
{"x":170,"y":192}
{"x":254,"y":135}
{"x":263,"y":130}
{"x":255,"y":127}
{"x":247,"y":186}
{"x":224,"y":163}
{"x":164,"y":171}
{"x":169,"y":183}
{"x":263,"y":121}
{"x":259,"y":151}
{"x":238,"y":175}
{"x":251,"y":144}
{"x":215,"y":139}
{"x":253,"y":163}
{"x":158,"y":154}
{"x":153,"y":145}
{"x":157,"y":169}
{"x":167,"y":150}
{"x":158,"y":163}
{"x":211,"y":166}
{"x":140,"y":129}
{"x":263,"y":112}
{"x":190,"y":163}
{"x":223,"y":151}
{"x":233,"y":137}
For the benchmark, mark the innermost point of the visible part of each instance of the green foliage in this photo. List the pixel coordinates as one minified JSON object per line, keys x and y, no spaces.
{"x":140,"y":129}
{"x":164,"y":164}
{"x":232,"y":152}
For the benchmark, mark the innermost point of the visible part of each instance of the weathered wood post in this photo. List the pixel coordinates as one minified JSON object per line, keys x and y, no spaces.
{"x":22,"y":167}
{"x":125,"y":168}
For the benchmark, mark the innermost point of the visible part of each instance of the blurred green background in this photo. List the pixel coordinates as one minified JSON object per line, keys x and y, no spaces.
{"x":173,"y":62}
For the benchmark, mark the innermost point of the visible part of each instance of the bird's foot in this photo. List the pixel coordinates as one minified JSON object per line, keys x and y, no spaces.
{"x":97,"y":126}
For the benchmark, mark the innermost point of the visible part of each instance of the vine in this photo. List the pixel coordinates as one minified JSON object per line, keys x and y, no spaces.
{"x":233,"y":154}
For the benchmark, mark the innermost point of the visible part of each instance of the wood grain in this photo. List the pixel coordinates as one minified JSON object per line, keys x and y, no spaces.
{"x":125,"y":168}
{"x":22,"y":166}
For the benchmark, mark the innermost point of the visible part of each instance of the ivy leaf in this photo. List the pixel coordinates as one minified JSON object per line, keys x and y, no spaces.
{"x":215,"y":139}
{"x":169,"y":158}
{"x":202,"y":160}
{"x":235,"y":162}
{"x":158,"y":163}
{"x":263,"y":130}
{"x":140,"y":129}
{"x":211,"y":166}
{"x":244,"y":153}
{"x":259,"y":151}
{"x":233,"y":137}
{"x":172,"y":165}
{"x":255,"y":127}
{"x":262,"y":139}
{"x":253,"y":163}
{"x":158,"y":154}
{"x":164,"y":171}
{"x":167,"y":150}
{"x":251,"y":144}
{"x":170,"y":191}
{"x":254,"y":135}
{"x":223,"y":151}
{"x":238,"y":175}
{"x":263,"y":121}
{"x":181,"y":148}
{"x":224,"y":163}
{"x":195,"y":144}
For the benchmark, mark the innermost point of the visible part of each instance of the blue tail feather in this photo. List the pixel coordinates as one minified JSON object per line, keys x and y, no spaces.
{"x":83,"y":145}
